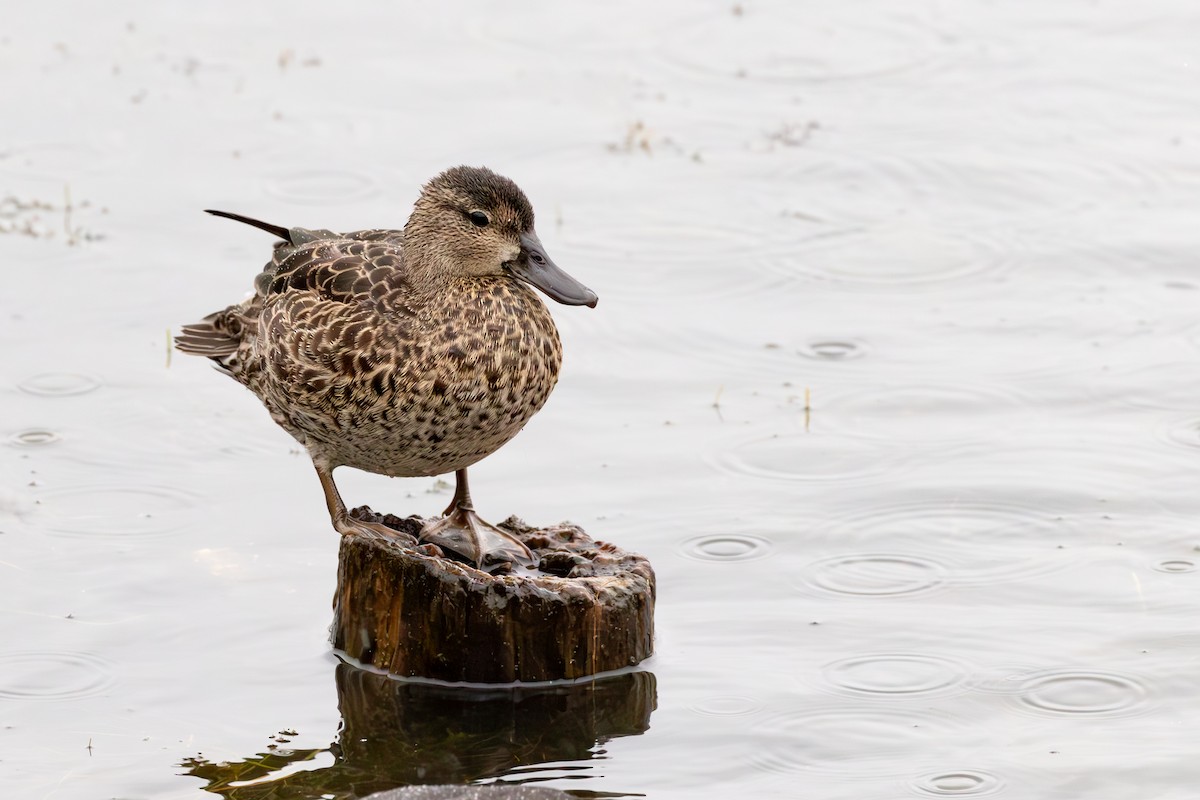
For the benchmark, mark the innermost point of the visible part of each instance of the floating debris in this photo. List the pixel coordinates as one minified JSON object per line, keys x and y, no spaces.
{"x":639,"y":138}
{"x":34,"y":218}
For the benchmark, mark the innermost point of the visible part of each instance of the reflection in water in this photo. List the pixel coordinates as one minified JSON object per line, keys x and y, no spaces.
{"x":399,"y":733}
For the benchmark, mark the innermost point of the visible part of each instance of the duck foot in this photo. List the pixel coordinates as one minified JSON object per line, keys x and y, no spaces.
{"x":463,"y":531}
{"x":346,"y":524}
{"x":476,"y":540}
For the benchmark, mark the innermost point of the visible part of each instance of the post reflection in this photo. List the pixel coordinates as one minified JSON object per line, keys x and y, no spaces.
{"x":399,"y":733}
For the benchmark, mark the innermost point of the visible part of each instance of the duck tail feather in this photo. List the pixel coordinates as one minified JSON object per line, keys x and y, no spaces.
{"x":203,"y":339}
{"x":278,"y":230}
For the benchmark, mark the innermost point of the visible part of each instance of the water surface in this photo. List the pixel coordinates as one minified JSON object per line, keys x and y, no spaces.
{"x":894,"y":379}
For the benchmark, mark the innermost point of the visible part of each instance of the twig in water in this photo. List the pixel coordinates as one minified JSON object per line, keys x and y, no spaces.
{"x":807,"y":408}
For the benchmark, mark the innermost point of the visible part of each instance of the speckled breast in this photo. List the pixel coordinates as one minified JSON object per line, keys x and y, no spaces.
{"x":437,"y":396}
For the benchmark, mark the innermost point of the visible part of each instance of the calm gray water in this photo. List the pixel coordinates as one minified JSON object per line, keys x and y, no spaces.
{"x":894,"y":378}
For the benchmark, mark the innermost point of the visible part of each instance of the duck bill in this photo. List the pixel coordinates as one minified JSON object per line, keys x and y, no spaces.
{"x":535,"y":268}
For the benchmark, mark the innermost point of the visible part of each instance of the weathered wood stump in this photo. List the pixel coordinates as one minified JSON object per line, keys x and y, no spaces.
{"x":589,"y":608}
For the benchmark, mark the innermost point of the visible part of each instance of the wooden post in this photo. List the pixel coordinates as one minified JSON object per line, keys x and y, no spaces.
{"x":589,"y":608}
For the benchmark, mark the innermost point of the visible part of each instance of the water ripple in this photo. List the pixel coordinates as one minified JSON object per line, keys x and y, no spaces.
{"x":833,"y":349}
{"x":971,"y":195}
{"x":894,"y":255}
{"x":874,"y":575}
{"x":59,"y":384}
{"x":733,"y":357}
{"x":977,"y":542}
{"x":846,"y":740}
{"x":805,"y":457}
{"x":46,"y":675}
{"x":1184,"y":432}
{"x":925,"y":413}
{"x":1082,"y":692}
{"x":1036,"y":464}
{"x":122,"y":440}
{"x":780,"y":44}
{"x":727,"y":705}
{"x":958,"y":783}
{"x":321,"y":186}
{"x":890,"y":674}
{"x":1069,"y":692}
{"x":34,"y":437}
{"x":574,"y":29}
{"x":693,"y":260}
{"x":1176,"y":565}
{"x":1160,"y":386}
{"x":726,"y":547}
{"x":115,"y":512}
{"x":63,"y":160}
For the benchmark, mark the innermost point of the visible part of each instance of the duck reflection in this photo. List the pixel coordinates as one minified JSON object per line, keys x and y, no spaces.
{"x":399,"y":733}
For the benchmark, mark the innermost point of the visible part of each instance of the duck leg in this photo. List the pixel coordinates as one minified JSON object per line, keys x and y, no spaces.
{"x":460,"y":529}
{"x":343,"y":523}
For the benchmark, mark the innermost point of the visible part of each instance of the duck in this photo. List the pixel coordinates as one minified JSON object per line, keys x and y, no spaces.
{"x":408,"y":353}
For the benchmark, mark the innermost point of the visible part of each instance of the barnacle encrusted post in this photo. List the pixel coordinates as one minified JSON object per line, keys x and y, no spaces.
{"x":589,"y":609}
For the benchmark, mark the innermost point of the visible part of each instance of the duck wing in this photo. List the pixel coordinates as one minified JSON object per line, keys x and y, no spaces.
{"x":334,"y":324}
{"x":360,"y":273}
{"x":339,"y":268}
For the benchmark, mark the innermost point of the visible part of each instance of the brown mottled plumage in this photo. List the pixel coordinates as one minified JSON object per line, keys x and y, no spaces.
{"x":405,"y":353}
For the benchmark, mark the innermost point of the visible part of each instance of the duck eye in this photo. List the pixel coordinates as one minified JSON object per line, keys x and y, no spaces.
{"x":478,"y":218}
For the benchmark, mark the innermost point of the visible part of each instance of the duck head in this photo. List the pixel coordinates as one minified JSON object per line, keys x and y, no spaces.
{"x":472,"y":222}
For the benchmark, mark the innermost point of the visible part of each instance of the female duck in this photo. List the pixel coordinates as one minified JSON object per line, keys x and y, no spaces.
{"x":405,"y":353}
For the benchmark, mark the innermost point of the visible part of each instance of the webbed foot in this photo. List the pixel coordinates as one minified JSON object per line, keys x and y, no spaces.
{"x":346,"y":524}
{"x":480,"y":542}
